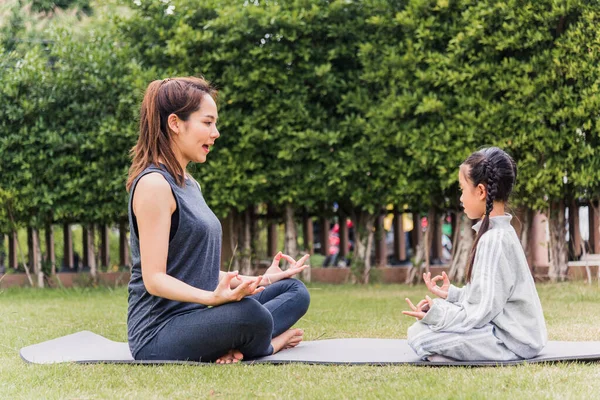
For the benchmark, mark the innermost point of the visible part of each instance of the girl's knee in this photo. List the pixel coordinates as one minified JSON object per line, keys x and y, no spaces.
{"x":417,"y":329}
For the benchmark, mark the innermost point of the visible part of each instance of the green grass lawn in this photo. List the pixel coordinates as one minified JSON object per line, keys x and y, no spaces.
{"x":29,"y":316}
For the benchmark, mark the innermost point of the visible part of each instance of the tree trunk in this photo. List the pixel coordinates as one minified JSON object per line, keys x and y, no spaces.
{"x":363,"y":242}
{"x":324,"y":236}
{"x":50,"y":252}
{"x":30,"y":249}
{"x":68,"y":248}
{"x":123,"y":245}
{"x":461,"y":248}
{"x":594,"y":215}
{"x":21,"y":255}
{"x":558,"y":245}
{"x":307,"y":230}
{"x":399,"y":236}
{"x":91,"y":252}
{"x":2,"y":254}
{"x":229,"y":261}
{"x":254,"y":244}
{"x":416,"y":235}
{"x":291,"y":233}
{"x":343,"y":233}
{"x":35,"y":255}
{"x":574,"y":232}
{"x":105,"y":246}
{"x":85,"y":257}
{"x":380,"y":245}
{"x":453,"y":228}
{"x":12,"y":251}
{"x":246,"y":243}
{"x":272,"y":242}
{"x":526,"y":235}
{"x":420,"y":261}
{"x":434,"y":225}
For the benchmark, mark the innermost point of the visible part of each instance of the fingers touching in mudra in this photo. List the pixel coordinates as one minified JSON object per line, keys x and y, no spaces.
{"x":432,"y":286}
{"x":224,"y":293}
{"x":275,"y":273}
{"x":418,"y":311}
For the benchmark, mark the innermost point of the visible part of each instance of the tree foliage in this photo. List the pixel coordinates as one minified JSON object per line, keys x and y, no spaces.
{"x":363,"y":103}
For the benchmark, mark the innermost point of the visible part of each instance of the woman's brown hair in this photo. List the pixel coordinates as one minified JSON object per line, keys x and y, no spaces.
{"x":495,"y":169}
{"x":179,"y":96}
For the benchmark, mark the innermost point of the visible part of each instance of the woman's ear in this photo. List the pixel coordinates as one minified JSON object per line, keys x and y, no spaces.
{"x":481,"y":191}
{"x":173,"y":122}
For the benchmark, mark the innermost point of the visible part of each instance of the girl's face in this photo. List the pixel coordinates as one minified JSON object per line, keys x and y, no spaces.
{"x":472,"y":197}
{"x":195,"y":136}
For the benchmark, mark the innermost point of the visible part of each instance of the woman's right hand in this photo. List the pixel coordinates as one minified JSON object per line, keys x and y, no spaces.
{"x":440,"y":291}
{"x":224,"y":294}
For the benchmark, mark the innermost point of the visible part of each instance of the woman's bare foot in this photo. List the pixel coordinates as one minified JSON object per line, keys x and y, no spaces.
{"x":288,"y":339}
{"x":232,"y":356}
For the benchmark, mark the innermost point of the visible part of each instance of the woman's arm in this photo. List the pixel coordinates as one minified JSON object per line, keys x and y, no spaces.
{"x":274,"y":273}
{"x":153,"y":204}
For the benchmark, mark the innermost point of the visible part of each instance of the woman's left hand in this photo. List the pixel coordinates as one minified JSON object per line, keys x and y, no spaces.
{"x":420,"y":309}
{"x":274,"y":273}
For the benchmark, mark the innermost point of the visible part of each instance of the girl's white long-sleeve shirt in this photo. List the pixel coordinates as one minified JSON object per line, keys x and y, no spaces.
{"x":501,"y":292}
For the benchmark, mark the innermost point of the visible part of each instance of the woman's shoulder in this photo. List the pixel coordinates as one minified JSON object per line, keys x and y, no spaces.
{"x":151,"y":175}
{"x":153,"y":181}
{"x":153,"y":192}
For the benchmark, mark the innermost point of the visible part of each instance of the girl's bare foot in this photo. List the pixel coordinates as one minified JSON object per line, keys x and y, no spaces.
{"x":232,"y":356}
{"x":288,"y":339}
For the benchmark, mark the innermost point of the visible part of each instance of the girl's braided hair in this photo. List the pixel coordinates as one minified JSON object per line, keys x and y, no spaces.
{"x":497,"y":171}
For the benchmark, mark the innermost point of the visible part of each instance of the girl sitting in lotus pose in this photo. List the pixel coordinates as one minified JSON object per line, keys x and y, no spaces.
{"x":497,"y":316}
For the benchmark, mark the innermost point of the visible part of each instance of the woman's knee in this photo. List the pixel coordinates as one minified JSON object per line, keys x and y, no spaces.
{"x":301,"y":294}
{"x":250,"y":312}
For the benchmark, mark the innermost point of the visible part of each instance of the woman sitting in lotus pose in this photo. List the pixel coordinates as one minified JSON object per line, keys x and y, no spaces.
{"x":181,"y":306}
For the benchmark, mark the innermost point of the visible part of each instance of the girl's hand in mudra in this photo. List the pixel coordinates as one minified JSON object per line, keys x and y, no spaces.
{"x":225,"y":294}
{"x":420,"y":309}
{"x":274,"y":273}
{"x":440,"y":291}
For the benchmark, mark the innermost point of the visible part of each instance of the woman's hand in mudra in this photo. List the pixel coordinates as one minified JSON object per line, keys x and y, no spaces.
{"x":225,"y":294}
{"x":274,"y":273}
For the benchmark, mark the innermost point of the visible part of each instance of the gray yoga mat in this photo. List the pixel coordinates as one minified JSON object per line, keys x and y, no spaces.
{"x":88,"y":347}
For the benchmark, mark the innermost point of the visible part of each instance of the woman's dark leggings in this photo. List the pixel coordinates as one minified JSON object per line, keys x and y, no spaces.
{"x":247,"y":326}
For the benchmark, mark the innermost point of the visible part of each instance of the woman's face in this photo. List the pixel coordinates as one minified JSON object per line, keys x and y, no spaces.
{"x":472,"y":197}
{"x":195,"y":136}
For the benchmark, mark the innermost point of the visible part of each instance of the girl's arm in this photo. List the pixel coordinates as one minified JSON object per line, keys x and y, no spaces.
{"x":456,"y":294}
{"x":153,"y":204}
{"x":484,"y":298}
{"x":446,"y":291}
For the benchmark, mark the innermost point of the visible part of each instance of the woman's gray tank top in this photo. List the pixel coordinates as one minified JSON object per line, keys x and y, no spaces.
{"x":194,"y":257}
